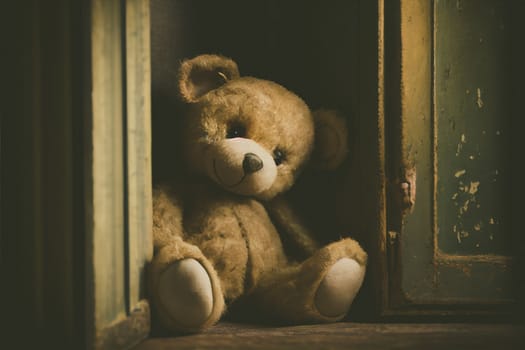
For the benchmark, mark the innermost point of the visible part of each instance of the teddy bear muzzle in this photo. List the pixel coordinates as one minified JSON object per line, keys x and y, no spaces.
{"x":241,"y":166}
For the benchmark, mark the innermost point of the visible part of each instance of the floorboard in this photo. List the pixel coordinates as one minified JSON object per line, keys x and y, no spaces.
{"x":349,"y":336}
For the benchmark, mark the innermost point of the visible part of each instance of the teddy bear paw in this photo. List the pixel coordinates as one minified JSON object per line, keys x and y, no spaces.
{"x":338,"y":288}
{"x":185,"y":291}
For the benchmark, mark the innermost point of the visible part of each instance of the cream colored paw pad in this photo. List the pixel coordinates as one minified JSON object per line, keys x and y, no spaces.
{"x":339,"y":287}
{"x":186,"y":293}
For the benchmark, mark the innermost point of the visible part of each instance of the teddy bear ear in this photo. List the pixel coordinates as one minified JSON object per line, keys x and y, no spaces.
{"x":203,"y":73}
{"x":331,"y":140}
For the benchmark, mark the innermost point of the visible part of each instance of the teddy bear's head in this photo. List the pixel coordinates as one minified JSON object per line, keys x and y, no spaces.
{"x":251,"y":136}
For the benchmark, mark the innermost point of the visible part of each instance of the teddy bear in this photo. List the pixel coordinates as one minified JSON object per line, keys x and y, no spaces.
{"x":221,"y":230}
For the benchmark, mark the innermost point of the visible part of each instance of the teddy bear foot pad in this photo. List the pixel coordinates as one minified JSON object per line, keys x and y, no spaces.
{"x":338,"y":288}
{"x":185,"y":290}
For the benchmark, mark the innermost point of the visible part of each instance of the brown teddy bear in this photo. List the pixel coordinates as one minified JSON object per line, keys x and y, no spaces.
{"x":219,"y":232}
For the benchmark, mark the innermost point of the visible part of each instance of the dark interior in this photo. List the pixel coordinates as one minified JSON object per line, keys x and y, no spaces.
{"x":306,"y":46}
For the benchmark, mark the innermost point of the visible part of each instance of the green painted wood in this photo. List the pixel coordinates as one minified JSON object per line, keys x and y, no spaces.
{"x":443,"y":63}
{"x":473,"y":86}
{"x":411,"y":252}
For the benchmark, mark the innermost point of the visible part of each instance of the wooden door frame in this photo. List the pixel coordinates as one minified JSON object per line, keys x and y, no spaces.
{"x":407,"y":48}
{"x":118,"y":174}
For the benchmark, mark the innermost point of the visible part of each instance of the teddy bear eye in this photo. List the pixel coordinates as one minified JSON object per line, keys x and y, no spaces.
{"x":236,"y":130}
{"x":278,"y":156}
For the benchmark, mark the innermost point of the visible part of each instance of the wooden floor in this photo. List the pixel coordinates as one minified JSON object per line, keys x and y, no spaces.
{"x":349,"y":336}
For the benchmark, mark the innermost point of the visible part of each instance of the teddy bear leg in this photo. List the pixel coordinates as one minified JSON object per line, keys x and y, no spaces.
{"x":321,"y":289}
{"x":338,"y":288}
{"x":184,"y":288}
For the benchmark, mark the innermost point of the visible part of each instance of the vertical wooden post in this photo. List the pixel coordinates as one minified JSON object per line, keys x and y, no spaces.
{"x":138,"y":144}
{"x":119,"y":201}
{"x":107,"y":162}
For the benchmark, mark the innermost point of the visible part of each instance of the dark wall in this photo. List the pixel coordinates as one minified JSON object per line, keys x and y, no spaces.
{"x":307,"y":46}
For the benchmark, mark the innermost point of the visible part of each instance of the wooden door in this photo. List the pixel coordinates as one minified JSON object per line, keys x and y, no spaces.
{"x":451,"y":244}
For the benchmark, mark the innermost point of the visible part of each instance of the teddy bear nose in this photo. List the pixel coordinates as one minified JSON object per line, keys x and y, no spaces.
{"x":251,"y":163}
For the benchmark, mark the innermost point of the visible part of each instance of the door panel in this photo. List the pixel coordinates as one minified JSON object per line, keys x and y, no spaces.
{"x":472,"y":96}
{"x":452,"y":252}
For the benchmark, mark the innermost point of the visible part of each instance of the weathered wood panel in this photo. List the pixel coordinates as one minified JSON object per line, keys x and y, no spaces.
{"x":473,"y":86}
{"x":138,"y":98}
{"x":416,"y":140}
{"x":107,"y":164}
{"x":119,"y":173}
{"x":442,"y":65}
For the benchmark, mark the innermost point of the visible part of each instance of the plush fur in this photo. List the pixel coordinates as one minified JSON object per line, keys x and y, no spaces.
{"x":219,"y":230}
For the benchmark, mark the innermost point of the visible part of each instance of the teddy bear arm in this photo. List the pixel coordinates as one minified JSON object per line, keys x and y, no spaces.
{"x":167,"y":217}
{"x":291,"y":226}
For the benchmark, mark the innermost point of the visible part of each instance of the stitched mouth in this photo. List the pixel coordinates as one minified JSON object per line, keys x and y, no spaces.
{"x":216,"y":173}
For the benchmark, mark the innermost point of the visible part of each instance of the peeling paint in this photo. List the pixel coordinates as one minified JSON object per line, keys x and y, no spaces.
{"x":458,"y":236}
{"x":473,"y":187}
{"x":463,"y":140}
{"x":470,"y":132}
{"x":465,"y":199}
{"x":479,"y":101}
{"x":458,"y":149}
{"x":460,"y":173}
{"x":464,"y":208}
